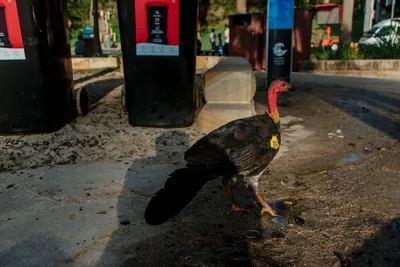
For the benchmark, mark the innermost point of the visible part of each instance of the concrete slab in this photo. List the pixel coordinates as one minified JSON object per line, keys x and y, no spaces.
{"x":18,"y":202}
{"x":69,"y":215}
{"x":67,"y":228}
{"x":65,"y":183}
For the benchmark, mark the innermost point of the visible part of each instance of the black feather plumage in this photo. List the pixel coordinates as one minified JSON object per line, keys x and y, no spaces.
{"x":240,"y":146}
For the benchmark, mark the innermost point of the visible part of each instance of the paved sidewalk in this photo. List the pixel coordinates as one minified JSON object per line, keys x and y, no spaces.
{"x":58,"y":214}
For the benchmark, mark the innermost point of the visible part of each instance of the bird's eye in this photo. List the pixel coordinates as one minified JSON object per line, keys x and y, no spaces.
{"x":283,"y":84}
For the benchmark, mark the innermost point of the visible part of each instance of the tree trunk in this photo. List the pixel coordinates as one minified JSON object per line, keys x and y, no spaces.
{"x":347,"y":22}
{"x":91,"y":13}
{"x":369,"y":7}
{"x":241,"y":6}
{"x":203,"y":11}
{"x":97,"y":45}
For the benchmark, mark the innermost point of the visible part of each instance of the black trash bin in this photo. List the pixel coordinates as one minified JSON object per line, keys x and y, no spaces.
{"x":36,"y":71}
{"x":159,"y":57}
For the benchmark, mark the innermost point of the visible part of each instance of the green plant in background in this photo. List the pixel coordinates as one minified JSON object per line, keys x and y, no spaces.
{"x":78,"y":12}
{"x":73,"y":37}
{"x":349,"y":53}
{"x":386,"y":50}
{"x":320,"y":53}
{"x":388,"y":46}
{"x":113,"y":22}
{"x":343,"y":53}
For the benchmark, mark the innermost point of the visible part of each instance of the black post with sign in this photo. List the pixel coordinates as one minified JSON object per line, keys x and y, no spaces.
{"x":157,"y":19}
{"x":159,"y":58}
{"x":36,"y":79}
{"x":4,"y":41}
{"x":280,"y":17}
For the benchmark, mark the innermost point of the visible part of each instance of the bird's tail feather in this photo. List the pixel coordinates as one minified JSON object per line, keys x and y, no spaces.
{"x":179,"y":189}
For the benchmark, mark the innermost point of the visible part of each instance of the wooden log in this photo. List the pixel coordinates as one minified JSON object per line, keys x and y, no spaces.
{"x":229,"y":88}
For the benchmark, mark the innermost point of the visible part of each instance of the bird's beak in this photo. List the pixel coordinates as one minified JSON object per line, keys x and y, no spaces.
{"x":290,"y":88}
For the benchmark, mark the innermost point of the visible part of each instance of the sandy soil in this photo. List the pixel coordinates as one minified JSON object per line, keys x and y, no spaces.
{"x":104,"y":133}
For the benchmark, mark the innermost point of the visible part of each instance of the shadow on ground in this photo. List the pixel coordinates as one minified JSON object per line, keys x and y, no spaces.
{"x":93,"y":75}
{"x":382,"y":250}
{"x":201,"y":235}
{"x":97,"y":90}
{"x":98,"y":84}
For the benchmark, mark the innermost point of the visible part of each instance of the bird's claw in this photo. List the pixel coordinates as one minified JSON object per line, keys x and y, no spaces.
{"x":239,"y":209}
{"x":270,"y":211}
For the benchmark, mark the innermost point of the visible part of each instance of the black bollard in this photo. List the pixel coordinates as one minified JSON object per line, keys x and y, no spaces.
{"x":159,"y":57}
{"x":36,"y":71}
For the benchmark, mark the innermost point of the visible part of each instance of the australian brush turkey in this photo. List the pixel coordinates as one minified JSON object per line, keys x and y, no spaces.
{"x":242,"y":147}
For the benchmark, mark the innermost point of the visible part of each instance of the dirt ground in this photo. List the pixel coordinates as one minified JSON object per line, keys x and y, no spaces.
{"x":103,"y":134}
{"x":343,"y":169}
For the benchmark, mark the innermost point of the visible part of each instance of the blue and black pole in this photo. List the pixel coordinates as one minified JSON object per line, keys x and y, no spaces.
{"x":280,"y":16}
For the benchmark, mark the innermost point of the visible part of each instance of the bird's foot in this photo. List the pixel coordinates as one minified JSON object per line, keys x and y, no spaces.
{"x":270,"y":211}
{"x":236,"y":208}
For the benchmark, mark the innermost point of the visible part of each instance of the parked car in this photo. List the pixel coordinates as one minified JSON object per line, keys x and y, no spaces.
{"x":385,"y":30}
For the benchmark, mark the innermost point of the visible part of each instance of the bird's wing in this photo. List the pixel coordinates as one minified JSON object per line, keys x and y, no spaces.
{"x":239,"y":142}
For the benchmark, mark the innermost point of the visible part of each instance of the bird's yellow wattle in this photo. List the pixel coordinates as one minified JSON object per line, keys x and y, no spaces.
{"x":274,"y":116}
{"x":274,"y":142}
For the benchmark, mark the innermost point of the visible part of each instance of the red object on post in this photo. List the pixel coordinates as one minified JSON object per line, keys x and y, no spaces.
{"x":172,"y":23}
{"x":13,"y":26}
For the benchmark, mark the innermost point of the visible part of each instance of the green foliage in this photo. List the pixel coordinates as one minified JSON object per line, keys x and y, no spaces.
{"x":387,"y":48}
{"x":115,"y":27}
{"x":73,"y":37}
{"x":78,"y":12}
{"x":217,"y":13}
{"x":107,"y":4}
{"x":348,"y":53}
{"x":304,"y":5}
{"x":343,"y":53}
{"x":320,"y":53}
{"x":228,"y":5}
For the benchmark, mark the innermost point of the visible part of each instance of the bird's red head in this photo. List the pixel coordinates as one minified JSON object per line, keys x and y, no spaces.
{"x":275,"y":88}
{"x":279,"y":86}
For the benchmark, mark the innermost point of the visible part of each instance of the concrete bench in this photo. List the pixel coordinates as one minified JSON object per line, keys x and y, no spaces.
{"x":229,"y":88}
{"x":88,"y":63}
{"x":204,"y":63}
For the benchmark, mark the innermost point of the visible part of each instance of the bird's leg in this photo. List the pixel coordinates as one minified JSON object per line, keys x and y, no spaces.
{"x":253,"y":188}
{"x":265,"y":206}
{"x":235,"y":207}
